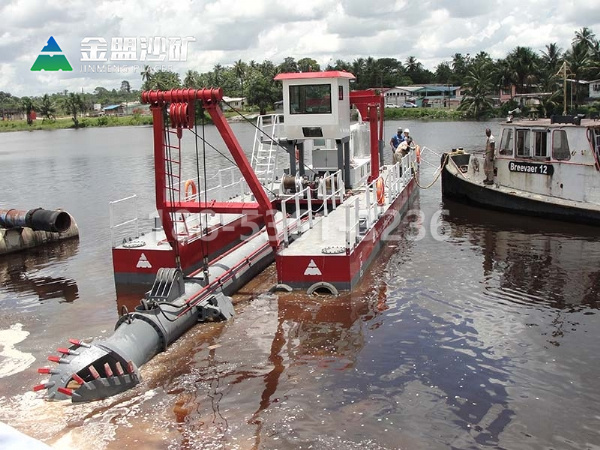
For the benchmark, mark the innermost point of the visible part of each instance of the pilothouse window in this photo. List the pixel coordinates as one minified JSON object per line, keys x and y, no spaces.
{"x":506,"y":144}
{"x":523,"y":144}
{"x":560,"y":146}
{"x":541,"y":143}
{"x":310,"y":99}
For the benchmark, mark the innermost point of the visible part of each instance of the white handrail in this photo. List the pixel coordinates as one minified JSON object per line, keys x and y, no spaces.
{"x":352,"y":225}
{"x":337,"y":190}
{"x":296,"y":222}
{"x":134,"y":220}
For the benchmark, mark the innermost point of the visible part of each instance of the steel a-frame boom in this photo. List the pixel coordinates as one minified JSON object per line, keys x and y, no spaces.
{"x":181,"y":114}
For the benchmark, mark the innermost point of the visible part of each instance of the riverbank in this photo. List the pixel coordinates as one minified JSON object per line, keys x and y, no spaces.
{"x":136,"y":119}
{"x":102,"y":121}
{"x":67,"y":122}
{"x":423,"y":113}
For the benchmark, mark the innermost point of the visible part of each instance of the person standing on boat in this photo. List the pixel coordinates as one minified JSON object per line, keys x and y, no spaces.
{"x":396,"y":140}
{"x":488,"y":163}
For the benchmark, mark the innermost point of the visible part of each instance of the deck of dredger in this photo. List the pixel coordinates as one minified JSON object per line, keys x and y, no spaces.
{"x":342,"y":228}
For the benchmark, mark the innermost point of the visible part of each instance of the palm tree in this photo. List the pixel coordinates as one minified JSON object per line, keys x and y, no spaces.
{"x":478,"y":86}
{"x":191,"y":79}
{"x":552,"y":57}
{"x":74,"y":105}
{"x":147,"y":73}
{"x":358,"y":69}
{"x":372,"y":73}
{"x":460,"y":65}
{"x":47,"y":109}
{"x":578,"y":61}
{"x":217,"y":69}
{"x":240,"y":68}
{"x":524,"y":65}
{"x":586,"y":37}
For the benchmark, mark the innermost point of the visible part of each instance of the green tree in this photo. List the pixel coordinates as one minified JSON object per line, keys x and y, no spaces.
{"x":47,"y":108}
{"x":240,"y":69}
{"x":217,"y":70}
{"x":288,"y":65}
{"x":262,"y":92}
{"x":551,"y":57}
{"x":524,"y":65}
{"x":268,"y":69}
{"x":308,"y":65}
{"x":74,"y":105}
{"x":460,"y":66}
{"x":341,"y":65}
{"x":146,"y":74}
{"x":578,"y":61}
{"x":192,"y":79}
{"x":28,"y":107}
{"x":478,"y":84}
{"x":443,"y":73}
{"x":586,"y":37}
{"x":416,"y":72}
{"x":162,"y":80}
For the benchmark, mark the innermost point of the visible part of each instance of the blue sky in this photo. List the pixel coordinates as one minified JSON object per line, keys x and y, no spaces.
{"x":228,"y":30}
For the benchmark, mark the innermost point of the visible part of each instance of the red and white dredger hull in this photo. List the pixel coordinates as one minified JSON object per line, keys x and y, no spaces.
{"x":306,"y":266}
{"x":136,"y":262}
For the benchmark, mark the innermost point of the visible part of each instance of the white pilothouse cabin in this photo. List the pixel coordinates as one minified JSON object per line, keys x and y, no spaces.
{"x":544,"y":167}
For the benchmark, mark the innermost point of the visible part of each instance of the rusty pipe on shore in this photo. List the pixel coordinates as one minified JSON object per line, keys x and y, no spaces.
{"x":37,"y":219}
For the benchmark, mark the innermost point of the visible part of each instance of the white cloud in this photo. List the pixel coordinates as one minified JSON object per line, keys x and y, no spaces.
{"x":326,"y":30}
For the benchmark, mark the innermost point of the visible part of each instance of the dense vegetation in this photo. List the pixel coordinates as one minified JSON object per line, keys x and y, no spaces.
{"x":481,"y":77}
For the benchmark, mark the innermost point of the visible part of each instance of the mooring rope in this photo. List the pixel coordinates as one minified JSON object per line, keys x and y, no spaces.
{"x":438,"y":170}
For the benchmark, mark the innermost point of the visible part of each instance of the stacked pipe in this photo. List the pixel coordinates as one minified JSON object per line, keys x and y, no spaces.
{"x":20,"y":230}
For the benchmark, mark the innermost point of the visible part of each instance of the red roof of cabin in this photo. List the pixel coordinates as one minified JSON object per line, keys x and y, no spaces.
{"x":305,"y":75}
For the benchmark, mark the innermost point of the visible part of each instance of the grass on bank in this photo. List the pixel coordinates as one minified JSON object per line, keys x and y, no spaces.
{"x":424,"y":113}
{"x":67,"y":122}
{"x":137,"y":119}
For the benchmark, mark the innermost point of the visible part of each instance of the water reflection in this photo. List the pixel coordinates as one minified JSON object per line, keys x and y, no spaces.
{"x":20,"y":272}
{"x":546,"y":263}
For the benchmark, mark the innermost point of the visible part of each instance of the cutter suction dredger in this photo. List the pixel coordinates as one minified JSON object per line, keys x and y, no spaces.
{"x":322,"y":220}
{"x":105,"y":367}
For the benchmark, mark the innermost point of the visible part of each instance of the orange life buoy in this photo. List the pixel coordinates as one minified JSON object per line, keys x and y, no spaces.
{"x":380,"y":186}
{"x":418,"y":152}
{"x":190,"y":189}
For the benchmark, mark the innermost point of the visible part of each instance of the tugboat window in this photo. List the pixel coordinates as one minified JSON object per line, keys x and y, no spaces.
{"x":560,"y":146}
{"x":541,"y":143}
{"x":506,"y":144}
{"x":523,"y":144}
{"x":310,"y":99}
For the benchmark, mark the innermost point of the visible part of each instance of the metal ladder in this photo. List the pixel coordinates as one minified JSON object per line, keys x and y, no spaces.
{"x":264,"y":150}
{"x":172,"y":161}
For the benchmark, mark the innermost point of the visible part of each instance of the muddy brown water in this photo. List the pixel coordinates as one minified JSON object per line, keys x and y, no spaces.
{"x":472,"y":328}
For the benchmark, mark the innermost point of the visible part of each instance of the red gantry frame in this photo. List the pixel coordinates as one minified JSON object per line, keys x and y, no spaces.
{"x":181,"y":113}
{"x":370,"y":105}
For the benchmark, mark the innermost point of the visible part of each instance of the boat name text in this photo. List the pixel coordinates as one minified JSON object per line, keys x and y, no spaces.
{"x":542,"y":169}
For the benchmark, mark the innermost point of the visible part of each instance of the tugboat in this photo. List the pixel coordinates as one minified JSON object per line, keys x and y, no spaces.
{"x":544,"y":167}
{"x":323,"y":221}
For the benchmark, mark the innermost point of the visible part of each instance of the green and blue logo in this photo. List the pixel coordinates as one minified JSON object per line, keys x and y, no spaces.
{"x":53,"y":62}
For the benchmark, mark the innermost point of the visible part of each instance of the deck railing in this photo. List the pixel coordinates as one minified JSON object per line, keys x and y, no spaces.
{"x":352,"y":224}
{"x":123,"y":227}
{"x":293,"y":225}
{"x":335,"y":184}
